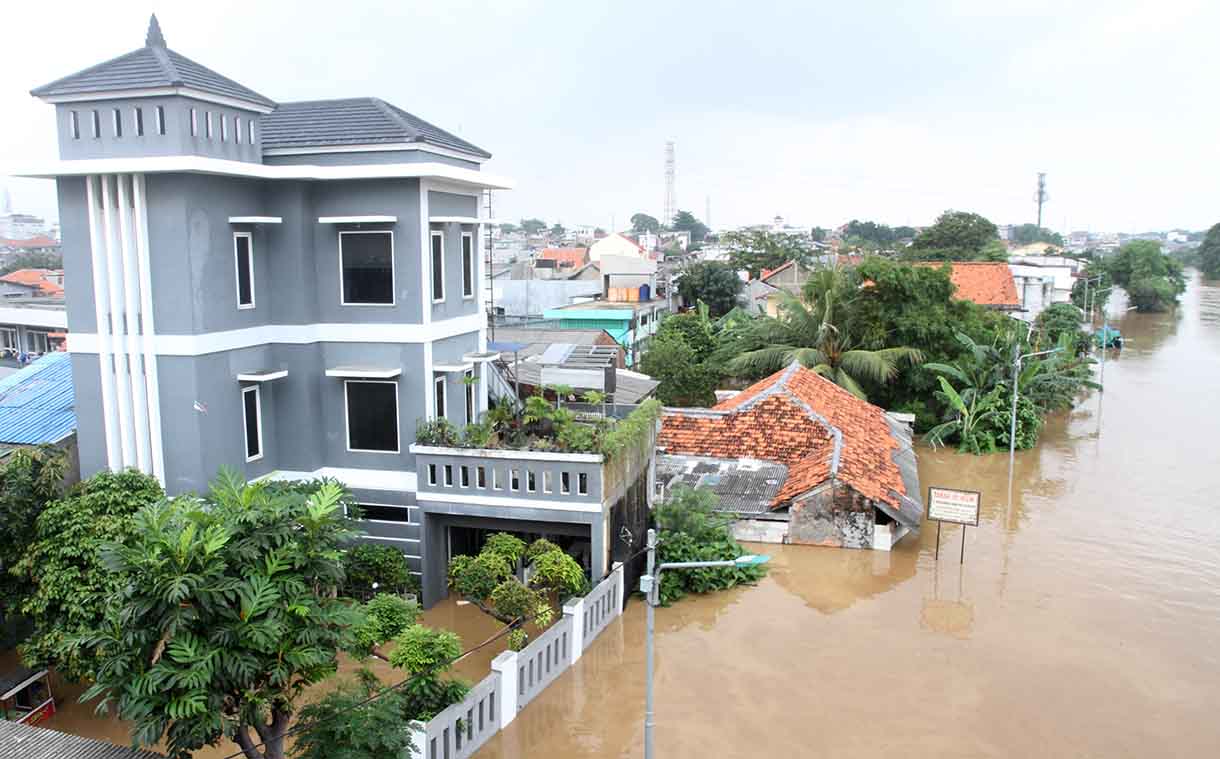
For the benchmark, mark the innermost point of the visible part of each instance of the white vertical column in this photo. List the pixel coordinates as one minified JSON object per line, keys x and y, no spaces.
{"x":101,"y":309}
{"x":505,"y":664}
{"x":425,"y":258}
{"x":147,"y":327}
{"x":119,"y":340}
{"x":479,"y":231}
{"x":131,"y":310}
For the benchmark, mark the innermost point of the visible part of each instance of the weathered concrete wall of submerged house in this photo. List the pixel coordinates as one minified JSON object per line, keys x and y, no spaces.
{"x":833,"y":515}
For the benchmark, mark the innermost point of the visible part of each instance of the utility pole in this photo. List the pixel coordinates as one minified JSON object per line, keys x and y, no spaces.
{"x":671,"y":200}
{"x":1040,"y":196}
{"x":707,"y":211}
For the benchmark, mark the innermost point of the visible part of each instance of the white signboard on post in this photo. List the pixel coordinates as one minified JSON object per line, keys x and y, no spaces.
{"x":956,"y":506}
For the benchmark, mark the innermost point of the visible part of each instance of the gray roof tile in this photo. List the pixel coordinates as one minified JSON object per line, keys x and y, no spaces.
{"x":153,"y":65}
{"x":353,"y":121}
{"x":22,"y":742}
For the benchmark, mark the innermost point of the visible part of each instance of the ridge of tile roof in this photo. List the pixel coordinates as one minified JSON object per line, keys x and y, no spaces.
{"x":153,"y":65}
{"x":353,"y":121}
{"x":987,"y":283}
{"x":800,"y":419}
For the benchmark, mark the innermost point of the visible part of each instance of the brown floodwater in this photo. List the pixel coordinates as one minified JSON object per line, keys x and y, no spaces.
{"x":1084,"y":622}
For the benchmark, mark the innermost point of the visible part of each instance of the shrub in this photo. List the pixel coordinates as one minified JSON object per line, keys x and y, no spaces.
{"x":369,"y":563}
{"x":438,"y":432}
{"x":540,"y":546}
{"x":426,"y":654}
{"x":481,"y":575}
{"x":691,"y":530}
{"x":511,"y":601}
{"x":385,"y":617}
{"x":633,"y":430}
{"x":457,"y":565}
{"x":477,"y":434}
{"x":556,"y":571}
{"x":509,"y":546}
{"x":517,"y":639}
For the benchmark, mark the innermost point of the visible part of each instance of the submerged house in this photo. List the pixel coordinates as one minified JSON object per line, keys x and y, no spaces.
{"x":801,"y":460}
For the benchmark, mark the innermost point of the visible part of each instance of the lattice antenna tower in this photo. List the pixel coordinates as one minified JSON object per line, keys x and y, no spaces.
{"x":1040,"y":196}
{"x":671,"y":201}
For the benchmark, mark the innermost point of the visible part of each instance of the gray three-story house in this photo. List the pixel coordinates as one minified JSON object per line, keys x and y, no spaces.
{"x":280,"y":288}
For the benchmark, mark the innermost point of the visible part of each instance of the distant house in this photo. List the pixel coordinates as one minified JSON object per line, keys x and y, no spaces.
{"x":616,"y":244}
{"x":35,"y":244}
{"x":987,"y":283}
{"x":631,"y":324}
{"x":801,"y":460}
{"x":565,"y":258}
{"x":536,"y":339}
{"x":37,"y":407}
{"x":35,"y":282}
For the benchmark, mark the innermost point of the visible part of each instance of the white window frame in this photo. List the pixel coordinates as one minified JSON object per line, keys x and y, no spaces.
{"x":432,"y":474}
{"x":514,"y":476}
{"x":258,"y":422}
{"x":582,"y":483}
{"x":74,"y":124}
{"x":480,"y":477}
{"x":472,"y":412}
{"x":250,"y":127}
{"x":440,"y":398}
{"x":565,"y":483}
{"x":194,"y":122}
{"x":347,"y":430}
{"x":496,"y":484}
{"x":468,"y":253}
{"x":393,"y":268}
{"x":117,"y":119}
{"x":224,"y":127}
{"x":46,"y":339}
{"x":160,"y":117}
{"x":207,"y":124}
{"x":548,"y":481}
{"x":237,"y":129}
{"x":432,"y":265}
{"x":464,"y":476}
{"x":13,"y":344}
{"x":97,"y":124}
{"x":137,"y":120}
{"x":237,"y":269}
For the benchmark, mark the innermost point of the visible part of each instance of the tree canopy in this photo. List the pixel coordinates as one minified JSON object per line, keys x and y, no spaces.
{"x":685,"y":221}
{"x":1152,"y":279}
{"x":1026,"y":234}
{"x":956,"y":236}
{"x":532,"y":226}
{"x":29,"y":479}
{"x":873,"y":235}
{"x":712,"y":282}
{"x":1209,"y":253}
{"x":32,"y":260}
{"x":642,"y":222}
{"x":755,"y":250}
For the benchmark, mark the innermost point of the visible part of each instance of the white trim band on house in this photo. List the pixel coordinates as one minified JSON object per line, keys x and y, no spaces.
{"x":293,"y":334}
{"x":34,"y":317}
{"x":144,"y":92}
{"x":357,"y":219}
{"x":507,"y":453}
{"x":452,"y":368}
{"x":220,"y":166}
{"x":357,"y":479}
{"x":256,"y":220}
{"x":383,"y":147}
{"x":262,"y":375}
{"x":484,"y":357}
{"x":460,"y":220}
{"x":509,"y":501}
{"x":365,"y":372}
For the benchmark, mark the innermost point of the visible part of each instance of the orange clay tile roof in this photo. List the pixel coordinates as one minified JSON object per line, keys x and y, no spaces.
{"x":800,"y":419}
{"x":35,"y":277}
{"x":987,"y":283}
{"x":566,"y":256}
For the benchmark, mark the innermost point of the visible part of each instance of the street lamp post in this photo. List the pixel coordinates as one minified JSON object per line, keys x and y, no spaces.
{"x":1018,"y":357}
{"x":1088,"y":312}
{"x":650,"y":586}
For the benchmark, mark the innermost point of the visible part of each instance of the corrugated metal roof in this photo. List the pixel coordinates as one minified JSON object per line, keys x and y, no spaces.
{"x":24,"y":742}
{"x":153,"y":65}
{"x":37,"y":403}
{"x":353,"y":121}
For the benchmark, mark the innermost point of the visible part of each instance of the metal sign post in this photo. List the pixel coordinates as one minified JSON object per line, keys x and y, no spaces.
{"x":954,"y":506}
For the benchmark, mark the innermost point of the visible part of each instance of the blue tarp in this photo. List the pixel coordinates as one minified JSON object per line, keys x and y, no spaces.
{"x":37,"y":403}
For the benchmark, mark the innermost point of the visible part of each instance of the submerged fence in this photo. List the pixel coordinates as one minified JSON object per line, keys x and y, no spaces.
{"x":517,"y":677}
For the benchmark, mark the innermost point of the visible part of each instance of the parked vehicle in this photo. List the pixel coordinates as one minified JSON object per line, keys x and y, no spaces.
{"x":25,"y":696}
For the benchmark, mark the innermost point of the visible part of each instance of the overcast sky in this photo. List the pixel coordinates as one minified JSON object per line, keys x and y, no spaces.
{"x":819,"y":112}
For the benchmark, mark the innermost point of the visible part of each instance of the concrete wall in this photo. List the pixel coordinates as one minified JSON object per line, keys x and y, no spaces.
{"x":836,"y":516}
{"x":524,"y":297}
{"x":177,"y":139}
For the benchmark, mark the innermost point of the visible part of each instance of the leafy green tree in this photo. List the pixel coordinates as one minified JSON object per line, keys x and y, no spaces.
{"x":32,"y":260}
{"x":755,"y":250}
{"x":869,"y":232}
{"x":642,"y":222}
{"x":713,"y":283}
{"x":685,"y":221}
{"x":226,"y":613}
{"x":475,"y":578}
{"x":557,"y":230}
{"x":690,"y":529}
{"x":696,"y":327}
{"x":427,"y":654}
{"x":1060,"y":319}
{"x":1152,"y":279}
{"x":1026,"y":234}
{"x":29,"y":480}
{"x":1098,"y":291}
{"x":361,"y":720}
{"x":1209,"y":253}
{"x":532,"y":227}
{"x":509,"y":228}
{"x":558,"y":573}
{"x":819,"y":234}
{"x":956,"y":236}
{"x":685,"y":379}
{"x":807,"y":333}
{"x":507,"y":545}
{"x":385,"y":617}
{"x":63,"y":564}
{"x":367,"y":564}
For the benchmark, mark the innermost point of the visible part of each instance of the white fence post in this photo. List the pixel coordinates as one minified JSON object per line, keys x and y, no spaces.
{"x":619,"y":578}
{"x":575,"y":609}
{"x":506,"y":666}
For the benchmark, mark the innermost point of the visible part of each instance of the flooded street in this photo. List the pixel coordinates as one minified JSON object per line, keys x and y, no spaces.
{"x":1083,"y":623}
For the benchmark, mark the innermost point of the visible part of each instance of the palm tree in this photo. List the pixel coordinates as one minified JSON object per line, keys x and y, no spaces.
{"x":806,"y":333}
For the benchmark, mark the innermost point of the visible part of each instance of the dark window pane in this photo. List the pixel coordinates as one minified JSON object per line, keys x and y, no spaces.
{"x":368,"y":268}
{"x":372,"y":416}
{"x":467,"y":265}
{"x":245,"y":285}
{"x":384,"y":513}
{"x":250,"y":400}
{"x":440,"y":397}
{"x":438,"y":267}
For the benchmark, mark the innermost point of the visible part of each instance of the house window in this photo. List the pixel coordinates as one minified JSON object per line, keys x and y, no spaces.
{"x":74,"y":124}
{"x":548,"y":482}
{"x":117,"y":117}
{"x":480,"y":480}
{"x":470,"y":415}
{"x":495,"y":479}
{"x":36,"y":342}
{"x":244,"y":259}
{"x":467,"y":265}
{"x":465,"y":476}
{"x":438,"y":409}
{"x":237,"y":129}
{"x":530,"y":483}
{"x":224,"y":127}
{"x":194,"y":123}
{"x":137,"y":115}
{"x":250,"y":129}
{"x":252,"y":412}
{"x":207,"y":124}
{"x":514,"y":479}
{"x":97,"y":125}
{"x":367,"y":263}
{"x":160,"y":116}
{"x":582,"y":483}
{"x":372,"y":415}
{"x":374,"y":512}
{"x":438,"y":267}
{"x":432,"y":474}
{"x":8,"y":339}
{"x":565,"y":483}
{"x":448,"y":475}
